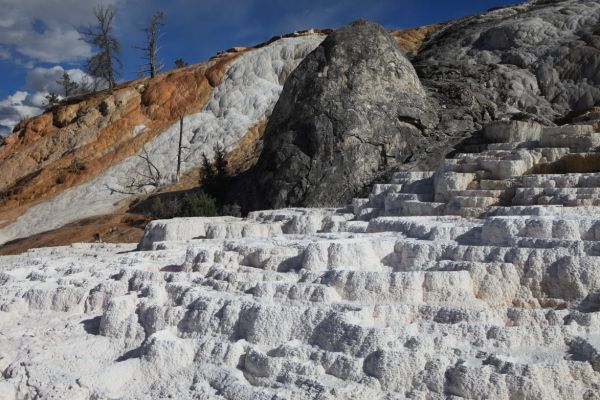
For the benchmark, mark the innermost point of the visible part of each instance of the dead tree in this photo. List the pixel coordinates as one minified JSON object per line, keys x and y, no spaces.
{"x":179,"y":147}
{"x":152,"y":177}
{"x":151,"y":48}
{"x":69,"y":86}
{"x":103,"y":64}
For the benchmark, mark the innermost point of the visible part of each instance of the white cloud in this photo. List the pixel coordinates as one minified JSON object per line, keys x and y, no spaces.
{"x":46,"y":79}
{"x":22,"y":104}
{"x":19,"y":105}
{"x":46,"y":30}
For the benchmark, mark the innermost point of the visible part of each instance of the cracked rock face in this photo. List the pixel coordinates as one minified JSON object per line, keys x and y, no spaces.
{"x":353,"y":109}
{"x":538,"y":60}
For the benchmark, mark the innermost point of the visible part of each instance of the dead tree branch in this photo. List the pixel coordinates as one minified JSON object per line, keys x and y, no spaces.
{"x":151,"y":48}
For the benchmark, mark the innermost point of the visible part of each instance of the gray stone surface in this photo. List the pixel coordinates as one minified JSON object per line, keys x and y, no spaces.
{"x":352,"y":110}
{"x":537,"y":60}
{"x":512,"y":131}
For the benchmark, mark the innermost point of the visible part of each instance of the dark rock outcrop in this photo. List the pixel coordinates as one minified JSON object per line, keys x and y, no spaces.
{"x":538,"y":61}
{"x":350,"y":112}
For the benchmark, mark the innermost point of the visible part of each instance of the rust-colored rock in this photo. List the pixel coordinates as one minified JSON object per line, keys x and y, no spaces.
{"x":411,"y":40}
{"x":246,"y":153}
{"x":95,"y":133}
{"x":572,"y":163}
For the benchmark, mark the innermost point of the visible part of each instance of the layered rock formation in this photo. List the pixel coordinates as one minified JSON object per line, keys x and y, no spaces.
{"x":535,"y":61}
{"x":478,"y":278}
{"x":352,"y":110}
{"x":75,"y":142}
{"x":404,"y":296}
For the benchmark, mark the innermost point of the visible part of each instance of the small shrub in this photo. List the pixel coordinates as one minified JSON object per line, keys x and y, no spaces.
{"x":179,"y":63}
{"x":52,"y":99}
{"x":198,"y":204}
{"x":215,"y":177}
{"x":208,"y":172}
{"x":156,"y":208}
{"x":220,"y":162}
{"x":165,"y":208}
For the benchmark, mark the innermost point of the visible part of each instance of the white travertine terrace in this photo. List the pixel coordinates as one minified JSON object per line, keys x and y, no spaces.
{"x":478,"y":280}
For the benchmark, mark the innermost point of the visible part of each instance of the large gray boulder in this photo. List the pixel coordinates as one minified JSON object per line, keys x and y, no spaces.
{"x":353,"y":110}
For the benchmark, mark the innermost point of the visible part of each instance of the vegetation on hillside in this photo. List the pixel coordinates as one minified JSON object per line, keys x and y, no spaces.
{"x":207,"y":200}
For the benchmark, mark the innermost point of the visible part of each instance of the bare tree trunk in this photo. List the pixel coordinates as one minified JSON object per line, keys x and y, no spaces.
{"x":102,"y":64}
{"x":179,"y":147}
{"x":151,"y":48}
{"x":111,"y":77}
{"x":152,"y":60}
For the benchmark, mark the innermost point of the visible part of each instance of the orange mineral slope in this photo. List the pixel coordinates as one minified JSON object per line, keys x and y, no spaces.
{"x":74,"y":142}
{"x":411,"y":40}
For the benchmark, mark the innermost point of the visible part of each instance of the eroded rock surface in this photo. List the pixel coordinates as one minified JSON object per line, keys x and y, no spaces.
{"x":480,"y":279}
{"x":344,"y":117}
{"x":352,"y":110}
{"x":538,"y":59}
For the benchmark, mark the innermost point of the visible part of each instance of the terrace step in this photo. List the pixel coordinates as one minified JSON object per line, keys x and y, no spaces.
{"x":417,"y":208}
{"x":458,"y":202}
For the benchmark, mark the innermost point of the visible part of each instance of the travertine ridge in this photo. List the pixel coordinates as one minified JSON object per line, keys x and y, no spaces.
{"x":480,"y":279}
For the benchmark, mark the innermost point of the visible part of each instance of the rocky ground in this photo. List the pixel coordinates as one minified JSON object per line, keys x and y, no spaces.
{"x":480,"y":279}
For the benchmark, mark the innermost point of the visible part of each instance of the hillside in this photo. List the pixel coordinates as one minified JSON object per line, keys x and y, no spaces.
{"x":86,"y":152}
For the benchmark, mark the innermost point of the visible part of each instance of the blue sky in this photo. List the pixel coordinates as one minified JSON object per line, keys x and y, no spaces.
{"x":38,"y":38}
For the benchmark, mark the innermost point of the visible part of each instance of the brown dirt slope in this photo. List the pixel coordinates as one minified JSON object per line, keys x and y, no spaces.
{"x":114,"y":228}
